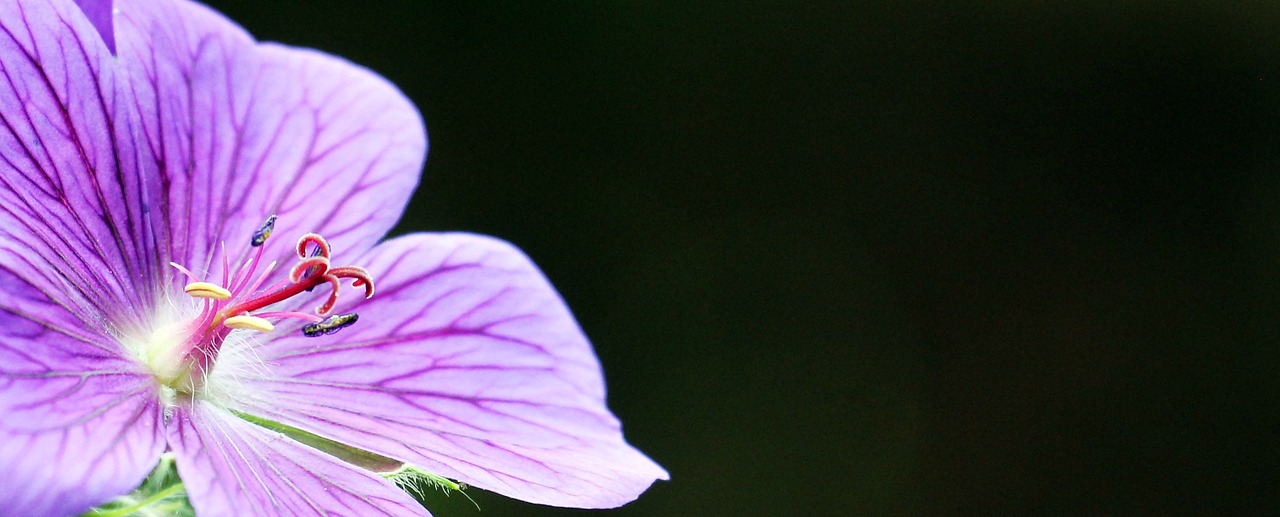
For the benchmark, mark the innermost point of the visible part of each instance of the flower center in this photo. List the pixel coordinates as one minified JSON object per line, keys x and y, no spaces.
{"x":181,"y":355}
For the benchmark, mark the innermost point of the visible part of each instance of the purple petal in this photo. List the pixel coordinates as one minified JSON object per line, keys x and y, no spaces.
{"x":242,"y":130}
{"x":232,"y":468}
{"x":72,"y":201}
{"x":79,"y":424}
{"x":99,"y":14}
{"x":465,"y":362}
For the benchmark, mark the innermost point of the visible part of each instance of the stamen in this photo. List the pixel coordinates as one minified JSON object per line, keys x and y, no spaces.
{"x":260,"y":237}
{"x":245,"y":274}
{"x":249,"y":322}
{"x":330,"y":325}
{"x":226,"y":265}
{"x":185,"y":271}
{"x":207,"y":290}
{"x":262,"y":278}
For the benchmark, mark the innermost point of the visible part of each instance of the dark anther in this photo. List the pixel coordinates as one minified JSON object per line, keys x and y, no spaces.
{"x":263,"y":233}
{"x":330,"y":325}
{"x":315,"y":253}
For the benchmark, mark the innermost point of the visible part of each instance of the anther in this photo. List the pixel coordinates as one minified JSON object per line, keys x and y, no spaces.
{"x":207,"y":290}
{"x":263,"y":233}
{"x":315,"y":252}
{"x":330,"y":325}
{"x":250,"y":323}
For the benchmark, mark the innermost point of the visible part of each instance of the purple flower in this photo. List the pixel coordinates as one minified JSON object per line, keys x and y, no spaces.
{"x":142,"y":147}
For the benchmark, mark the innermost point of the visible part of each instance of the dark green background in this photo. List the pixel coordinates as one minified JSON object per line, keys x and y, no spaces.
{"x":838,"y":258}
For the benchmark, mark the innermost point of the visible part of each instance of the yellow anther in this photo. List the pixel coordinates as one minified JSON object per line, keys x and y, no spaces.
{"x":207,"y":290}
{"x":249,"y":322}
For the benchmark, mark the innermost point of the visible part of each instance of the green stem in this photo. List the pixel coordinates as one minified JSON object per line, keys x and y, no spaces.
{"x":128,"y":510}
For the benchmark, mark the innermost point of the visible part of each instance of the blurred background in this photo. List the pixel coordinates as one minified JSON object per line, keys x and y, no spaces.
{"x":876,"y":258}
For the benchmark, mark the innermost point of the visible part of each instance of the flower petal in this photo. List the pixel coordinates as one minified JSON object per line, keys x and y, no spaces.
{"x":231,"y":468}
{"x":72,"y":196}
{"x":465,"y":362}
{"x":79,"y":424}
{"x":243,"y":130}
{"x":99,"y":14}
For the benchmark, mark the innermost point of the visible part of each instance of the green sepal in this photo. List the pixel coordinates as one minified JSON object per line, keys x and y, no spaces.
{"x":160,"y":495}
{"x":370,"y":461}
{"x":411,"y":478}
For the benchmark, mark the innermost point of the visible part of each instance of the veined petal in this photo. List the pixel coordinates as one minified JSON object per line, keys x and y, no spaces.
{"x":79,"y":424}
{"x":242,"y":130}
{"x":99,"y":14}
{"x":72,"y":196}
{"x":467,"y":363}
{"x":232,"y":468}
